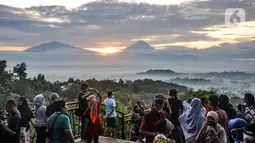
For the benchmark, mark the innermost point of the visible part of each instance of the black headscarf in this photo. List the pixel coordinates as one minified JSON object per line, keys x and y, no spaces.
{"x":226,"y":106}
{"x":25,"y":112}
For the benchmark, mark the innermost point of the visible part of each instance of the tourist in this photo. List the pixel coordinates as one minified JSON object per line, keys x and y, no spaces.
{"x":167,"y":109}
{"x":222,"y":115}
{"x":192,"y":120}
{"x":205,"y":105}
{"x":240,"y":108}
{"x":11,"y":133}
{"x":136,"y":120}
{"x":164,"y":129}
{"x":40,"y":119}
{"x":236,"y":129}
{"x":226,"y":106}
{"x":111,"y":115}
{"x":249,"y":110}
{"x":141,"y":109}
{"x":212,"y":132}
{"x":249,"y":133}
{"x":148,"y":126}
{"x":83,"y":105}
{"x":59,"y":126}
{"x":94,"y":122}
{"x":52,"y":107}
{"x":186,"y":106}
{"x":26,"y":115}
{"x":176,"y":108}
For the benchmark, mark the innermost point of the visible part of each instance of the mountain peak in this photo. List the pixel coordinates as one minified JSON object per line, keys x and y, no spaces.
{"x":139,"y":46}
{"x":53,"y":45}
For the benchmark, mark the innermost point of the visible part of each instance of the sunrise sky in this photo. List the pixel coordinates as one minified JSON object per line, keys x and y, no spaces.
{"x":108,"y":26}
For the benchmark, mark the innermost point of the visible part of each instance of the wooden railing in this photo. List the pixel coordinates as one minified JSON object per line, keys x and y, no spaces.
{"x":123,"y":122}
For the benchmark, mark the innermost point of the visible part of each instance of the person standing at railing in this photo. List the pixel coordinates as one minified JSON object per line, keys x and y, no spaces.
{"x":40,"y":119}
{"x":51,"y":109}
{"x":111,"y":115}
{"x":59,"y":125}
{"x":136,"y":121}
{"x":148,"y":126}
{"x":94,"y":126}
{"x":26,"y":116}
{"x":83,"y":105}
{"x":11,"y":133}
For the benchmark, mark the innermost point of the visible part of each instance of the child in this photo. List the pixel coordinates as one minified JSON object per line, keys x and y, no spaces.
{"x":164,"y":127}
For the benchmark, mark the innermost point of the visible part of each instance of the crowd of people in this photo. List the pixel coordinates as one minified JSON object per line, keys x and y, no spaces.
{"x":52,"y":124}
{"x":195,"y":120}
{"x":212,"y":120}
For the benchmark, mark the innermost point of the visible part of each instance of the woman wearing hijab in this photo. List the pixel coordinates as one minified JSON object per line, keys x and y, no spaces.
{"x":212,"y":132}
{"x":192,"y":120}
{"x":236,"y":129}
{"x":26,"y":116}
{"x":95,"y":126}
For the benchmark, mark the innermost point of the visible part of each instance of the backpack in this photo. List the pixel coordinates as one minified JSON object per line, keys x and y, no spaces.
{"x":50,"y":129}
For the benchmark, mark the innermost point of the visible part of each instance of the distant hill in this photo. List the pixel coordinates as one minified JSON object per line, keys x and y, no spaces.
{"x":226,"y":74}
{"x":191,"y":80}
{"x":53,"y":46}
{"x":158,"y":72}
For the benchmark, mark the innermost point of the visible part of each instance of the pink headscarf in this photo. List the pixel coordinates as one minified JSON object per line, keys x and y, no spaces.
{"x":214,"y":115}
{"x":93,"y":108}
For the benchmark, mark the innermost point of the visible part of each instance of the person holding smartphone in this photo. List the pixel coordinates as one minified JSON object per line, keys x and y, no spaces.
{"x":212,"y":131}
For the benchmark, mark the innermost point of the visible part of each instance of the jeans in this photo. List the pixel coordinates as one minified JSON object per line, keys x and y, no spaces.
{"x":41,"y":134}
{"x":83,"y":128}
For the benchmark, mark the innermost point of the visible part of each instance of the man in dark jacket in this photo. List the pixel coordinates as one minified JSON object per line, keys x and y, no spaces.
{"x":176,"y":107}
{"x":83,"y":105}
{"x":12,"y":131}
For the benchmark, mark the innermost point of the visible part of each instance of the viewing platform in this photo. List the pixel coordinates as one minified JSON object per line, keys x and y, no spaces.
{"x":109,"y":140}
{"x":122,"y":131}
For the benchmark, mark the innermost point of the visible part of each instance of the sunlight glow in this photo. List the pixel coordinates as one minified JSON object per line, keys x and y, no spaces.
{"x":109,"y":50}
{"x":9,"y":48}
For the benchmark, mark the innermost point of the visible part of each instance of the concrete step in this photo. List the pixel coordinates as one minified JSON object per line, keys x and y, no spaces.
{"x":107,"y":140}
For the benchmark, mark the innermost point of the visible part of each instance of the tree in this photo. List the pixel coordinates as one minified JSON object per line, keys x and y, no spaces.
{"x":20,"y":70}
{"x":70,"y":80}
{"x":41,"y":78}
{"x":121,"y":82}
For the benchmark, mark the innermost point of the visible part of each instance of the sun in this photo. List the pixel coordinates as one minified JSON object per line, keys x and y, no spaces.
{"x":106,"y":51}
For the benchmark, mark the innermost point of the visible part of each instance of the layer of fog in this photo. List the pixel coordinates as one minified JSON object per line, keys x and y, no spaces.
{"x":58,"y":66}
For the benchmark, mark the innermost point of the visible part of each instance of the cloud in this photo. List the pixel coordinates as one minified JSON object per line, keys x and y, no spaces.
{"x":109,"y":21}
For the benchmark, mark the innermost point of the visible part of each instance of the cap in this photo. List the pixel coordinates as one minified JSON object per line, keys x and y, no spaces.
{"x":159,"y":96}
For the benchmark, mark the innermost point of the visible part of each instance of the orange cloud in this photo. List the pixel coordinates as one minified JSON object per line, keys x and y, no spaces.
{"x":11,"y":48}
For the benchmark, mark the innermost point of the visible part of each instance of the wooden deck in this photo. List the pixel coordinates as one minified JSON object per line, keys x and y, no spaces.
{"x":108,"y":140}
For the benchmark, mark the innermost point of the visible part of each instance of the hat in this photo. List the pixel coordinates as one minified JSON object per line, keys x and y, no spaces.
{"x":159,"y":96}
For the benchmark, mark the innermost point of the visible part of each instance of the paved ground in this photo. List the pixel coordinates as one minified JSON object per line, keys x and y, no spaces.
{"x":109,"y":140}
